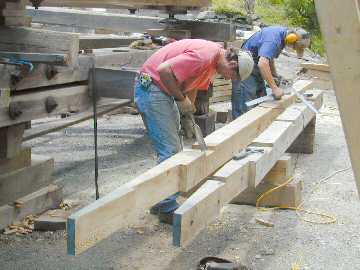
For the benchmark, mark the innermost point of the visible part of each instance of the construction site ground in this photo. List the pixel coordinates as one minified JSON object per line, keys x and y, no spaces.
{"x":125,"y":152}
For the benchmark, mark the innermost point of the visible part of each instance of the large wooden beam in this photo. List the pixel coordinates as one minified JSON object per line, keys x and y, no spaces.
{"x":181,"y":172}
{"x":119,"y":23}
{"x":105,"y":105}
{"x":238,"y":176}
{"x":22,"y":39}
{"x":104,"y":41}
{"x":340,"y":26}
{"x":129,"y":4}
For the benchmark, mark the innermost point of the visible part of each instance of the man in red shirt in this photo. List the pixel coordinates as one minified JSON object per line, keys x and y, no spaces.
{"x":168,"y":83}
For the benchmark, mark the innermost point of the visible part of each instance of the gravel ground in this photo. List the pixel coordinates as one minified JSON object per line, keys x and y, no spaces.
{"x":126,"y":152}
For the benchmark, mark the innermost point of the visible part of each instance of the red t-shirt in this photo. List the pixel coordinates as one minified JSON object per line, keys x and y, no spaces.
{"x":193,"y":62}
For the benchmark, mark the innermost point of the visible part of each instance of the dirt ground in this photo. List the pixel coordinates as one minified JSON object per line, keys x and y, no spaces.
{"x":126,"y":152}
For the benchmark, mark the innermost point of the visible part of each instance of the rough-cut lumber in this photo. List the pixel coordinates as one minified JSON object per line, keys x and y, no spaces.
{"x":128,"y":4}
{"x":104,"y":41}
{"x":32,"y":105}
{"x":242,"y":176}
{"x":10,"y":140}
{"x":204,"y":204}
{"x":22,"y":39}
{"x":181,"y":172}
{"x":105,"y":105}
{"x":16,"y":184}
{"x":340,"y":27}
{"x":38,"y":77}
{"x":20,"y":160}
{"x":215,"y":31}
{"x":316,"y":66}
{"x":92,"y":20}
{"x":35,"y":203}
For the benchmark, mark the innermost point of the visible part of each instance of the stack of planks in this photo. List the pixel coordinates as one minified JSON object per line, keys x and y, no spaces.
{"x":221,"y":90}
{"x":14,"y":14}
{"x":270,"y":126}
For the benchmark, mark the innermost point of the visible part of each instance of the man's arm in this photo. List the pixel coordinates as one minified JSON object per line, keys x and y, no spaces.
{"x":265,"y":70}
{"x":273,"y":68}
{"x":169,"y":80}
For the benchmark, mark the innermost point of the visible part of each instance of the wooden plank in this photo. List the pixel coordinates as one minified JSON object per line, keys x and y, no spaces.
{"x":316,"y":66}
{"x":203,"y":204}
{"x":32,"y":105}
{"x":22,"y":39}
{"x":340,"y":27}
{"x":104,"y":41}
{"x":11,"y":140}
{"x":127,"y":3}
{"x":19,"y":161}
{"x":181,"y":172}
{"x":35,"y":203}
{"x":104,"y":106}
{"x":16,"y":184}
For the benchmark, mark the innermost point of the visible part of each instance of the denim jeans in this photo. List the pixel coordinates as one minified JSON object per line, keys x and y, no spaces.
{"x":244,"y":91}
{"x":161,"y":118}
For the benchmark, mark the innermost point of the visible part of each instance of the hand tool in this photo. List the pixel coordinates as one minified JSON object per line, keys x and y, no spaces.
{"x":244,"y":153}
{"x":198,"y":133}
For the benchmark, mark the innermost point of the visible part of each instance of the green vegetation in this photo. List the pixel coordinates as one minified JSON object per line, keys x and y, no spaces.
{"x":293,"y":13}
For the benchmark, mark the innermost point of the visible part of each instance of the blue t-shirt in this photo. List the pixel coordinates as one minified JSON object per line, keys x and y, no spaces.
{"x":268,"y":42}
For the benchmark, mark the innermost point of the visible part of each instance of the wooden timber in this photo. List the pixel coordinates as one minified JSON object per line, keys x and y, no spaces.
{"x":340,"y":27}
{"x":121,"y":23}
{"x":19,"y":161}
{"x":22,"y":39}
{"x":19,"y":183}
{"x":181,"y":172}
{"x":105,"y":105}
{"x":104,"y":41}
{"x":32,"y":105}
{"x":10,"y":140}
{"x":128,"y":4}
{"x":239,"y":176}
{"x":48,"y":197}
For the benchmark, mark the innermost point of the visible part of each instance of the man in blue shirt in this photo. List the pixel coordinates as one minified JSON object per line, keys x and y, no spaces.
{"x":265,"y":46}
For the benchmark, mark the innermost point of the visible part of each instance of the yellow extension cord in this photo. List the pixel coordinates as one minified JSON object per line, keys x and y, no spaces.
{"x":327,"y":218}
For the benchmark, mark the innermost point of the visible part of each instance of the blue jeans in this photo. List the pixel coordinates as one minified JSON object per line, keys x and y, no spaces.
{"x":161,"y":118}
{"x":244,"y":91}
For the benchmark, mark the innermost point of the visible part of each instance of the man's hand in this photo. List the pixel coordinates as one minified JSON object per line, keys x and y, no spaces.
{"x":185,"y":106}
{"x":277,"y":92}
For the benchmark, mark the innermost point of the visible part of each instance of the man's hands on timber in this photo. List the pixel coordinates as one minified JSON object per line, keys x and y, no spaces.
{"x":277,"y":92}
{"x":185,"y":106}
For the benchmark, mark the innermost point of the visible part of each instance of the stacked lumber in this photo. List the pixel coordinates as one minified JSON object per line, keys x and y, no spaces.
{"x":183,"y":172}
{"x":221,"y":90}
{"x":242,"y":180}
{"x":14,"y":14}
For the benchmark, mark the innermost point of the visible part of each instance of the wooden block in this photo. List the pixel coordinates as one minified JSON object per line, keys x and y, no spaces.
{"x":222,"y":116}
{"x":206,"y":123}
{"x":282,"y":170}
{"x":197,"y":212}
{"x":35,"y":203}
{"x":52,"y":220}
{"x":16,"y":184}
{"x":33,"y":104}
{"x":15,"y":5}
{"x":11,"y":140}
{"x":304,"y":143}
{"x":21,"y":160}
{"x":289,"y":195}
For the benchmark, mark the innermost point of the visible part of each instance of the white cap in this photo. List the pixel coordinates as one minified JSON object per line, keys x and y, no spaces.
{"x":245,"y":64}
